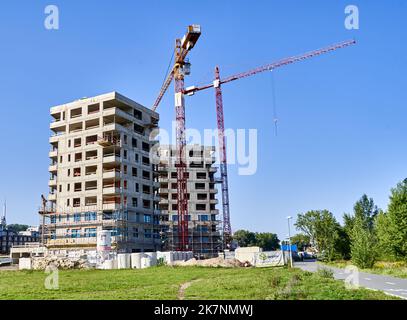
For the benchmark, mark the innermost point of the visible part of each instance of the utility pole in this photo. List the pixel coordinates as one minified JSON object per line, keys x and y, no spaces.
{"x":289,"y":241}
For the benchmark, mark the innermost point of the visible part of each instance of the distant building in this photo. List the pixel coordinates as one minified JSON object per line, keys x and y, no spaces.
{"x":31,"y":232}
{"x":9,"y":238}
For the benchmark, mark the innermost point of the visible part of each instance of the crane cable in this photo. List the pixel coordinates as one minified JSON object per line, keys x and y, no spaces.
{"x":274,"y":104}
{"x":168,"y":68}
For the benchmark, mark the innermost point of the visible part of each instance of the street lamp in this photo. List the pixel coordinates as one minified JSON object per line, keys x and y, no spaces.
{"x":289,"y":241}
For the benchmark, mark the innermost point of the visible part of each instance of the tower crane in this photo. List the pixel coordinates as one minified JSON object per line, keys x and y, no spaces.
{"x":181,"y":68}
{"x":227,"y":230}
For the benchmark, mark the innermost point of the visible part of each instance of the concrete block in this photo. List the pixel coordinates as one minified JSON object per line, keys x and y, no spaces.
{"x":136,"y":260}
{"x":24,"y":264}
{"x":123,"y":261}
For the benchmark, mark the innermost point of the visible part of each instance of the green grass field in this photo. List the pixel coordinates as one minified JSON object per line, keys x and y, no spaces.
{"x":165,"y":283}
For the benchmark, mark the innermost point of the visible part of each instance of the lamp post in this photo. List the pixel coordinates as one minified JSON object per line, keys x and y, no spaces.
{"x":289,"y":241}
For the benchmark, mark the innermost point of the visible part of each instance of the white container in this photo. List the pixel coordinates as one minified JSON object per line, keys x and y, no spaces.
{"x":176,"y":255}
{"x":136,"y":260}
{"x":123,"y":261}
{"x":24,"y":264}
{"x":167,"y":256}
{"x":107,"y":265}
{"x":153,"y":256}
{"x":145,"y":262}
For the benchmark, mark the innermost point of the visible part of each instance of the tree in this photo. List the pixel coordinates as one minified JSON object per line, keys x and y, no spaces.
{"x":363,"y":244}
{"x":360,"y":231}
{"x":301,"y":241}
{"x":17,"y":227}
{"x":244,"y":238}
{"x":366,"y":210}
{"x":342,"y":244}
{"x":384,"y":236}
{"x":267,"y":241}
{"x":322,"y":228}
{"x":393,"y":226}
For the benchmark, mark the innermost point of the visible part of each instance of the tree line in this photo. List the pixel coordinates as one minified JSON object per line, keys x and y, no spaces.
{"x":367,"y":235}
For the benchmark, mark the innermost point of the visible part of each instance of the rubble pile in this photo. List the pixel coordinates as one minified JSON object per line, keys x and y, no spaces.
{"x":41,"y":263}
{"x":214,"y":262}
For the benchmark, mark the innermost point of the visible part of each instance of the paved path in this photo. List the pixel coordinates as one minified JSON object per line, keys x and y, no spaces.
{"x":390,"y":285}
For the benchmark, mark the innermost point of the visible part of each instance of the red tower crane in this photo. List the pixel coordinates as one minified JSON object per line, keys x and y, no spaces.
{"x":227,"y":230}
{"x":179,"y":71}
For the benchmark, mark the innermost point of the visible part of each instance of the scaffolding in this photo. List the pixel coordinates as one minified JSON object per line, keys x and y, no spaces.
{"x":78,"y":230}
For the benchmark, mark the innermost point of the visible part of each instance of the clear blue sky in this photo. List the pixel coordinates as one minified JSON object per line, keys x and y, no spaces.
{"x":342,"y":128}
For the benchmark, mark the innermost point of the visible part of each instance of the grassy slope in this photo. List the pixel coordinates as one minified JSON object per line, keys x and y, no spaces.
{"x":394,"y":269}
{"x":164,"y":282}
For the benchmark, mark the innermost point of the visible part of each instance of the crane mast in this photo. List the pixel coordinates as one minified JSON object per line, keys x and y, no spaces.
{"x":227,"y":230}
{"x":180,"y":69}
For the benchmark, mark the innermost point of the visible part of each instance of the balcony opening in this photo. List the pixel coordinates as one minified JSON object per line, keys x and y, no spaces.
{"x":146,"y":147}
{"x":146,"y":189}
{"x":146,"y":204}
{"x":77,"y":142}
{"x":75,"y":113}
{"x":200,"y":206}
{"x":91,"y":124}
{"x":200,"y":186}
{"x":93,"y":108}
{"x":91,"y":170}
{"x":146,"y":161}
{"x":75,"y":127}
{"x":202,"y":196}
{"x":77,"y":202}
{"x":77,"y":172}
{"x":92,"y":154}
{"x":201,"y":175}
{"x":138,"y":129}
{"x":146,"y":175}
{"x":78,"y":187}
{"x":56,"y":116}
{"x":91,"y":185}
{"x":78,"y":157}
{"x":137,"y":114}
{"x":134,"y":142}
{"x":91,"y":139}
{"x":90,"y":201}
{"x":194,"y":164}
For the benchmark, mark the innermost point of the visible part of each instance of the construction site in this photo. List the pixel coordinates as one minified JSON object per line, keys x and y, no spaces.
{"x":105,"y":181}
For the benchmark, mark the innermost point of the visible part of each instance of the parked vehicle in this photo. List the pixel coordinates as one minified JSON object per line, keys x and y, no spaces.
{"x":5,"y":261}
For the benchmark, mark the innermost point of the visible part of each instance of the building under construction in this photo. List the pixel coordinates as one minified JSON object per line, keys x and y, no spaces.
{"x":101,"y":177}
{"x":204,"y":237}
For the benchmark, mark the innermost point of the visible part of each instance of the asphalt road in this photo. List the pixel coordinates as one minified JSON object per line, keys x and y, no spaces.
{"x":390,"y":285}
